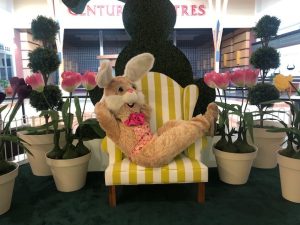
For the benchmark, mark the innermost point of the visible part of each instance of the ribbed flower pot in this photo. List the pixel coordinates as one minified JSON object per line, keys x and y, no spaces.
{"x":39,"y":145}
{"x":7,"y":182}
{"x":69,"y":174}
{"x":234,"y":168}
{"x":289,"y":170}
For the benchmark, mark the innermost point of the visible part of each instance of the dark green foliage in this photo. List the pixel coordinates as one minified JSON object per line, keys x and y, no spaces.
{"x":149,"y":23}
{"x":53,"y":95}
{"x":206,"y":96}
{"x":262,"y":93}
{"x":265,"y":58}
{"x":6,"y":167}
{"x":96,"y":94}
{"x":44,"y":29}
{"x":44,"y":60}
{"x":169,"y":60}
{"x":150,"y":20}
{"x":266,"y":28}
{"x":89,"y":129}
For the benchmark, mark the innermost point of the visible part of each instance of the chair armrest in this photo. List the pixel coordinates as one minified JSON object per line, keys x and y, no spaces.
{"x":114,"y":152}
{"x":194,"y":150}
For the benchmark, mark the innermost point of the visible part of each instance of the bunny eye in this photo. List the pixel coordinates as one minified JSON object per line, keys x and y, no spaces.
{"x":120,"y":89}
{"x":133,"y":86}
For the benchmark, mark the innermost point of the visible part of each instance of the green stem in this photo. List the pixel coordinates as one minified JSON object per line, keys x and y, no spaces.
{"x":69,"y":118}
{"x":7,"y":126}
{"x":226,"y":110}
{"x":46,"y":100}
{"x":86,"y":96}
{"x":219,"y":95}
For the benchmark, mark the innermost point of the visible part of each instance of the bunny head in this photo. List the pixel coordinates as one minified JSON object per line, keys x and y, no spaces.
{"x":120,"y":93}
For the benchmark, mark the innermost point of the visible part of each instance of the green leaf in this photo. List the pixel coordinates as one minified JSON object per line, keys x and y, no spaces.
{"x":2,"y":108}
{"x":248,"y":118}
{"x":64,"y":111}
{"x":78,"y":110}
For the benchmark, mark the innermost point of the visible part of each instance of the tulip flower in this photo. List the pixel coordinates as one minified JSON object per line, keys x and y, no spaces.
{"x":282,"y":82}
{"x":217,"y":80}
{"x":209,"y":79}
{"x":70,"y":81}
{"x":88,"y":80}
{"x":15,"y":82}
{"x":36,"y":81}
{"x":23,"y":92}
{"x":244,"y":77}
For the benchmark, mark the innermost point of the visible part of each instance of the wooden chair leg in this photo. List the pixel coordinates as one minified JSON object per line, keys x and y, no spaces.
{"x":112,"y":198}
{"x":201,"y":193}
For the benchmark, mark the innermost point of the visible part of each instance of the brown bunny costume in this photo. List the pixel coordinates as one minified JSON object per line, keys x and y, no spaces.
{"x":124,"y":116}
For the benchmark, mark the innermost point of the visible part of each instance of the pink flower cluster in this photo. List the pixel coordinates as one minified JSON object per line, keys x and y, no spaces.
{"x":70,"y":81}
{"x":239,"y":78}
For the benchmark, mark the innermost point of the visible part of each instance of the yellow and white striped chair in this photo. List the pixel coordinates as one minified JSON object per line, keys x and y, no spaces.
{"x":169,"y":101}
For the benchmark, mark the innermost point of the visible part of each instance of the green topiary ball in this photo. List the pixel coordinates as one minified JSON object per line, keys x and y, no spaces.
{"x":44,"y":60}
{"x":53,"y":95}
{"x":262,"y":93}
{"x":44,"y":29}
{"x":265,"y":58}
{"x":266,"y":27}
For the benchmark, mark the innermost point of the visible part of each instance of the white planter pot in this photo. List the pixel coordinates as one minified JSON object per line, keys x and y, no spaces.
{"x":289,"y":170}
{"x":39,"y":145}
{"x":99,"y":158}
{"x":234,"y":168}
{"x":69,"y":174}
{"x":268,"y":144}
{"x":7,"y":182}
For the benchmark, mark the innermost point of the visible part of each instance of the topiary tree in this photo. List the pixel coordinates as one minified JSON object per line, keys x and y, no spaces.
{"x":264,"y":58}
{"x":45,"y":60}
{"x":149,"y":24}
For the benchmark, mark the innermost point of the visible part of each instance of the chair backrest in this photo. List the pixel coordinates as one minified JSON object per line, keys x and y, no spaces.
{"x":168,"y":100}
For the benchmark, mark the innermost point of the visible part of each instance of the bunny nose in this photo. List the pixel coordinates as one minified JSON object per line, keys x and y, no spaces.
{"x":130,"y":90}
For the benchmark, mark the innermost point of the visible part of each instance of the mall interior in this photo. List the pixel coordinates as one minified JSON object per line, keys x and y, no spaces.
{"x":213,"y":35}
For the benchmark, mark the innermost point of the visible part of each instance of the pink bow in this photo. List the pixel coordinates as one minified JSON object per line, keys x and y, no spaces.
{"x":135,"y":119}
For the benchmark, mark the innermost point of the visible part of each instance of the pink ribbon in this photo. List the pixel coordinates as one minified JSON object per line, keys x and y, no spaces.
{"x":135,"y":119}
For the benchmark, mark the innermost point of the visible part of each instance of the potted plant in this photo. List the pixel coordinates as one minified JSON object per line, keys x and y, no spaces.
{"x":289,"y":157}
{"x":69,"y":164}
{"x":234,"y":158}
{"x":45,"y":96}
{"x":265,"y":58}
{"x":9,"y":170}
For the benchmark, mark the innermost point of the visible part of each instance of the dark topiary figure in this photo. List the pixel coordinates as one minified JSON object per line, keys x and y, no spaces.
{"x":149,"y":23}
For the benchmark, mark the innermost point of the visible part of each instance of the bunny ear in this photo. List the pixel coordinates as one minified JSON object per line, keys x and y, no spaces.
{"x":104,"y":75}
{"x":138,"y":66}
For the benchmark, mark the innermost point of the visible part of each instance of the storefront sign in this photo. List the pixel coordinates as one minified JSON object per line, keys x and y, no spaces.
{"x":191,"y":8}
{"x":108,"y":14}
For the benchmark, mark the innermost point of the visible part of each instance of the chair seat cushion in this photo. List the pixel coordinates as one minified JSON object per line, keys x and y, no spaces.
{"x":181,"y":170}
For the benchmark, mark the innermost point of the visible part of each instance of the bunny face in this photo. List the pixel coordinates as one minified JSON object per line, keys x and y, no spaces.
{"x":120,"y":93}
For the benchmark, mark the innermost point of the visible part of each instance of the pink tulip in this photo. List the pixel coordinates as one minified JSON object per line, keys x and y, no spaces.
{"x":70,"y":80}
{"x":88,"y":80}
{"x":251,"y":77}
{"x":209,"y":79}
{"x":36,"y":81}
{"x":217,"y":80}
{"x":222,"y":81}
{"x":244,"y":77}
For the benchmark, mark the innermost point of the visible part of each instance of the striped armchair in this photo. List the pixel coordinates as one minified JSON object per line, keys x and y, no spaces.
{"x":168,"y":101}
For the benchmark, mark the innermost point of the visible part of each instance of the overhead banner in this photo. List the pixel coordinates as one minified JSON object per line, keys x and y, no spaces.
{"x":108,"y":14}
